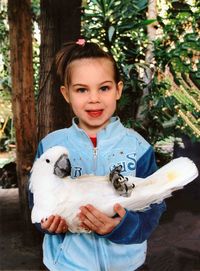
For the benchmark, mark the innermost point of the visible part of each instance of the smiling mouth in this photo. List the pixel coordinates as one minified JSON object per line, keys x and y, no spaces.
{"x":95,"y":113}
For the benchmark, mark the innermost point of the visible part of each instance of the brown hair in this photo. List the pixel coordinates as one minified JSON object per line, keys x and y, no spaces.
{"x":72,"y":51}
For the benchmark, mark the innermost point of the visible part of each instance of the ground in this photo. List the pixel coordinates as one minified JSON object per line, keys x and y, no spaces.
{"x":13,"y":254}
{"x":174,"y":246}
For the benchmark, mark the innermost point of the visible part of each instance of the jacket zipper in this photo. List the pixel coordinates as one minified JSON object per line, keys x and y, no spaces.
{"x":95,"y":151}
{"x":99,"y":253}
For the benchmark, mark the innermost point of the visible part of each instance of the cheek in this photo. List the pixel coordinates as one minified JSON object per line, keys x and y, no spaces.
{"x":113,"y":100}
{"x":111,"y":105}
{"x":76,"y":105}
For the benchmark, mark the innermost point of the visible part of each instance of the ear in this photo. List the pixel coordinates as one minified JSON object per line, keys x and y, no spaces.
{"x":65,"y":92}
{"x":120,"y":86}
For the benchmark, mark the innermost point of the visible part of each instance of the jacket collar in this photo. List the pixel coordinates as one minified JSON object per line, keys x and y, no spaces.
{"x":112,"y":130}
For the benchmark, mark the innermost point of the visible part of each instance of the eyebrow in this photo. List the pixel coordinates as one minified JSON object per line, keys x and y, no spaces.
{"x":83,"y":85}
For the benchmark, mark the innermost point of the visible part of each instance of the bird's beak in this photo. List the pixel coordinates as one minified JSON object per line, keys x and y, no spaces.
{"x":62,"y":167}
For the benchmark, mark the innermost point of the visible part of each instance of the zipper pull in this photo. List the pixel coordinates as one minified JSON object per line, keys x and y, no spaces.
{"x":95,"y":159}
{"x":95,"y":152}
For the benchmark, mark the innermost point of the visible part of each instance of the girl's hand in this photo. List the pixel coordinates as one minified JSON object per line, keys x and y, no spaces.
{"x":96,"y":221}
{"x":54,"y":224}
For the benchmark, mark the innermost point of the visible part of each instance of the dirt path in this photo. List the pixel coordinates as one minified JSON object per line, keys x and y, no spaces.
{"x":174,"y":246}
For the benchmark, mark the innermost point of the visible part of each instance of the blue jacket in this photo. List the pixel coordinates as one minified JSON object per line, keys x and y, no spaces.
{"x":125,"y":247}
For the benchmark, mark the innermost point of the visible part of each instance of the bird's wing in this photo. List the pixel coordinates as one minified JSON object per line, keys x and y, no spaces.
{"x":160,"y":185}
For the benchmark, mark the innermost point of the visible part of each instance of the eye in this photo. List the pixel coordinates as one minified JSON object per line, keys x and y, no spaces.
{"x":47,"y":160}
{"x":104,"y":88}
{"x":81,"y":90}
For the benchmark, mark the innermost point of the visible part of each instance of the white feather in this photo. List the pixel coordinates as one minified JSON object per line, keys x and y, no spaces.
{"x":64,"y":196}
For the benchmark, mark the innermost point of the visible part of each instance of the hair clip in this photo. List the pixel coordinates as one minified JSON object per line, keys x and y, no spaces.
{"x":80,"y":42}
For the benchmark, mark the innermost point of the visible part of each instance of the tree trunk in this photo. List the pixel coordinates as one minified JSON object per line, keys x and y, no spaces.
{"x":60,"y":22}
{"x":23,"y":105}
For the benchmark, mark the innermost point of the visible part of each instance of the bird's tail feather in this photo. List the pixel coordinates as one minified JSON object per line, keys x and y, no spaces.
{"x":160,"y":185}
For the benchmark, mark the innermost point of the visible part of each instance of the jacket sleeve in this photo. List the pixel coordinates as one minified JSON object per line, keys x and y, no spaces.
{"x":136,"y":227}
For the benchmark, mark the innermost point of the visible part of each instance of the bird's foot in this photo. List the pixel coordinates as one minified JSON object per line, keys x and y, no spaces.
{"x":120,"y":183}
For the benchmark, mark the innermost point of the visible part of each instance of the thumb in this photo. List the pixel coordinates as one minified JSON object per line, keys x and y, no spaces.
{"x":119,"y":210}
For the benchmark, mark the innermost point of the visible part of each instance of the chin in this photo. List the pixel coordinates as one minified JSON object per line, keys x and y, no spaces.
{"x":99,"y":123}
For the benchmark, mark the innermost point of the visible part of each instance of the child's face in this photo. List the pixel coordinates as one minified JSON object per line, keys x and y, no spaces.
{"x":92,"y":93}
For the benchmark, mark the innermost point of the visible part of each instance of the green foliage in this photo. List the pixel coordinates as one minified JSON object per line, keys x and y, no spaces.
{"x":177,"y":81}
{"x":6,"y":124}
{"x":5,"y":82}
{"x":172,"y":107}
{"x":120,"y":26}
{"x":35,"y":7}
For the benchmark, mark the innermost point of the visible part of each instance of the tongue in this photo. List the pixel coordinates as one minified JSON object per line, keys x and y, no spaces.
{"x":95,"y":114}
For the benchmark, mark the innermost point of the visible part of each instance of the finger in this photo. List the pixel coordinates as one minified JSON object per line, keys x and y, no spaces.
{"x":85,"y":227}
{"x":45,"y":224}
{"x":119,"y":210}
{"x":89,"y":220}
{"x":54,"y":225}
{"x":62,"y":227}
{"x":101,"y":228}
{"x":101,"y":223}
{"x":91,"y":210}
{"x":88,"y":226}
{"x":83,"y":218}
{"x":91,"y":216}
{"x":65,"y":227}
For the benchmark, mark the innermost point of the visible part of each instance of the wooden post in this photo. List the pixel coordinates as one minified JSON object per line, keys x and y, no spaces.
{"x":60,"y":21}
{"x":23,"y":104}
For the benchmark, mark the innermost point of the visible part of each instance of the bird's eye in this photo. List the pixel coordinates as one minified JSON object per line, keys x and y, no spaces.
{"x":47,"y":160}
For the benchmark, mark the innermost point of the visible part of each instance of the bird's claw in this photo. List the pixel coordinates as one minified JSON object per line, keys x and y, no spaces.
{"x":120,"y":183}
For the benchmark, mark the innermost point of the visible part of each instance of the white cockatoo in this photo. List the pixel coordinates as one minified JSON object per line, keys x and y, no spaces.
{"x":54,"y":192}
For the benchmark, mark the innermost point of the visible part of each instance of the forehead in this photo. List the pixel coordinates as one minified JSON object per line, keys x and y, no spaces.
{"x":96,"y":68}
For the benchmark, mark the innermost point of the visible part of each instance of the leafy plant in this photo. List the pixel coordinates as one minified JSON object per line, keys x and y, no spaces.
{"x":177,"y":79}
{"x":173,"y":102}
{"x":6,"y":131}
{"x":5,"y":82}
{"x":35,"y":6}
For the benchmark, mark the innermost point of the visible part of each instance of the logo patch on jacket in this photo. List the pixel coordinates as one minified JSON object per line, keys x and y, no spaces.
{"x":127,"y":161}
{"x":76,"y":172}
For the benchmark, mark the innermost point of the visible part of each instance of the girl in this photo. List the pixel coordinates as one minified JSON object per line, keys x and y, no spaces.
{"x":90,"y":83}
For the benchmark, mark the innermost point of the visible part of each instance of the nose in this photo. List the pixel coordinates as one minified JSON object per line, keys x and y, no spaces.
{"x":94,"y":96}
